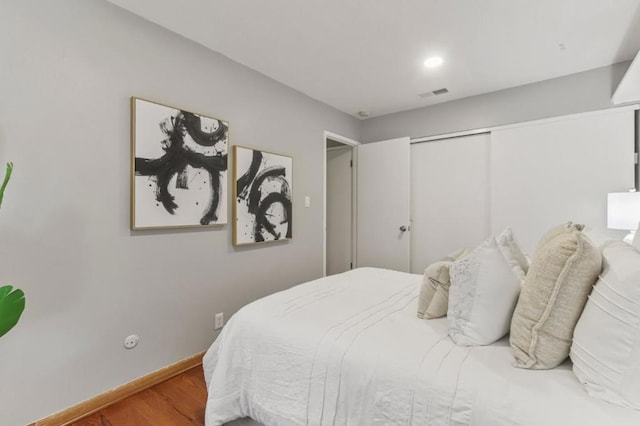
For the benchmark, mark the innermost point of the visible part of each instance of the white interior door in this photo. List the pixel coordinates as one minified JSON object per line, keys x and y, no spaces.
{"x":339,"y":200}
{"x":383,"y":218}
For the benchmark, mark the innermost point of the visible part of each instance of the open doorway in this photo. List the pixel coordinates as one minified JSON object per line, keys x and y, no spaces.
{"x":339,"y":204}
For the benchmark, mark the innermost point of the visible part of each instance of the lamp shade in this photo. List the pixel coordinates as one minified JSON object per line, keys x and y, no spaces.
{"x":623,"y":210}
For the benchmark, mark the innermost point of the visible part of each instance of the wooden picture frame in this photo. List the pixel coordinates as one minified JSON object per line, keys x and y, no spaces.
{"x":262,"y":196}
{"x":178,"y":167}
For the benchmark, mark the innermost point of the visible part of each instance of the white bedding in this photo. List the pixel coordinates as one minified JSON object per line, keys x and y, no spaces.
{"x":349,"y":350}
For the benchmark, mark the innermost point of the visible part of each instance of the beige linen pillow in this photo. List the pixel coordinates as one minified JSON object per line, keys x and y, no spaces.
{"x":434,"y":293}
{"x":563,"y":270}
{"x":558,"y":230}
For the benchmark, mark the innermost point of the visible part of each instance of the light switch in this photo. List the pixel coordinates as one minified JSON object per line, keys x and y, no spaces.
{"x":307,"y":201}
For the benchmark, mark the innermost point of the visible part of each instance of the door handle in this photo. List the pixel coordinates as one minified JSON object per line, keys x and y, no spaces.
{"x":404,"y":228}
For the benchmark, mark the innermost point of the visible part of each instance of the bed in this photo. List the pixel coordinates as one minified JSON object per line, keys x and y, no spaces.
{"x":348,"y":350}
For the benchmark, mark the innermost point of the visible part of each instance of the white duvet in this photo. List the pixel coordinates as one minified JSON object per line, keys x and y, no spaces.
{"x":349,"y":350}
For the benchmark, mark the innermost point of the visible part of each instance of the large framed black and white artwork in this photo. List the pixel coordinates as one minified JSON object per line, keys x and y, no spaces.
{"x":179,"y":167}
{"x":262,"y":196}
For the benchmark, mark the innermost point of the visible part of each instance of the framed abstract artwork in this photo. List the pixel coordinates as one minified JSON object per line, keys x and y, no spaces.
{"x":179,"y":167}
{"x":262,"y":192}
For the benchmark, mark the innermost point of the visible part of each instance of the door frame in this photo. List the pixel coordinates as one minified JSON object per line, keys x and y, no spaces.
{"x":352,"y":143}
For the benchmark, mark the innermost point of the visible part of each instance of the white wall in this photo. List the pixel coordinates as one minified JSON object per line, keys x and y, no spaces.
{"x":68,"y":69}
{"x":581,"y":92}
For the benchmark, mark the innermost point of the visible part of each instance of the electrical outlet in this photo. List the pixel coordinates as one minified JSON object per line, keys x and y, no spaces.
{"x":219,"y":321}
{"x":131,"y":341}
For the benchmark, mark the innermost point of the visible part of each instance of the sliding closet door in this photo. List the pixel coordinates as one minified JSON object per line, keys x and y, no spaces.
{"x":558,"y":170}
{"x":450,"y":197}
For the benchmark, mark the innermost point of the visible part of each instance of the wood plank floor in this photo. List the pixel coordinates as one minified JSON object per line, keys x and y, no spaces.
{"x":178,"y":401}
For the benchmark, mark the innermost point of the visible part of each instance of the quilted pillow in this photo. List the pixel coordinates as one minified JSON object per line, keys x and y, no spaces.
{"x":606,"y":342}
{"x":434,"y":293}
{"x":484,"y":291}
{"x":562,"y":272}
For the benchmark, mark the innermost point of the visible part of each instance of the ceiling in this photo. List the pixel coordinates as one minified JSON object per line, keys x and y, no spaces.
{"x":367,"y":55}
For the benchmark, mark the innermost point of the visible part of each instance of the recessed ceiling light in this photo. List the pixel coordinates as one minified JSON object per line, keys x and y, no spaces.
{"x":433,"y":62}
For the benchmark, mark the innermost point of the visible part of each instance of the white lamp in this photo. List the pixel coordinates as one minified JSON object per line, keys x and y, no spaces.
{"x":623,"y":212}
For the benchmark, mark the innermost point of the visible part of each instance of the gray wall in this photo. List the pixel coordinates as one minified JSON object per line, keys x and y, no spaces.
{"x":68,"y":69}
{"x":67,"y":72}
{"x":585,"y":91}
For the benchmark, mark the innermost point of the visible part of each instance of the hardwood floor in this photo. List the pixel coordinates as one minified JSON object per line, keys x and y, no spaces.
{"x":179,"y":401}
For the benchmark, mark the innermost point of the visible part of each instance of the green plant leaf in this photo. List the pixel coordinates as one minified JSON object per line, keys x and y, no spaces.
{"x":11,"y":307}
{"x":7,"y":176}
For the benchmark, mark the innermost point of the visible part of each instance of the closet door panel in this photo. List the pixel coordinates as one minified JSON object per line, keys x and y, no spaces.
{"x":544,"y":173}
{"x":450,"y":197}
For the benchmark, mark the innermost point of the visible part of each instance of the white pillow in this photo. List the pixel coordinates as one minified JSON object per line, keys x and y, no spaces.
{"x":596,"y":236}
{"x":484,"y":291}
{"x":606,"y":341}
{"x":636,"y":238}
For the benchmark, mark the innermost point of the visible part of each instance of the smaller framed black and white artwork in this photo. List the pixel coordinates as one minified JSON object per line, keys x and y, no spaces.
{"x":179,"y":167}
{"x":262,"y":192}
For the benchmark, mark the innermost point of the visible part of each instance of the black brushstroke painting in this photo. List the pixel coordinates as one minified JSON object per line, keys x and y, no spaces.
{"x":187,"y":148}
{"x":264,"y":190}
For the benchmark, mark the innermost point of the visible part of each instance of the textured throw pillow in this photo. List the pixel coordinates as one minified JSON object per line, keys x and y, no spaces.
{"x":558,"y":230}
{"x":562,"y":272}
{"x":484,"y":291}
{"x":606,"y":342}
{"x":434,"y":293}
